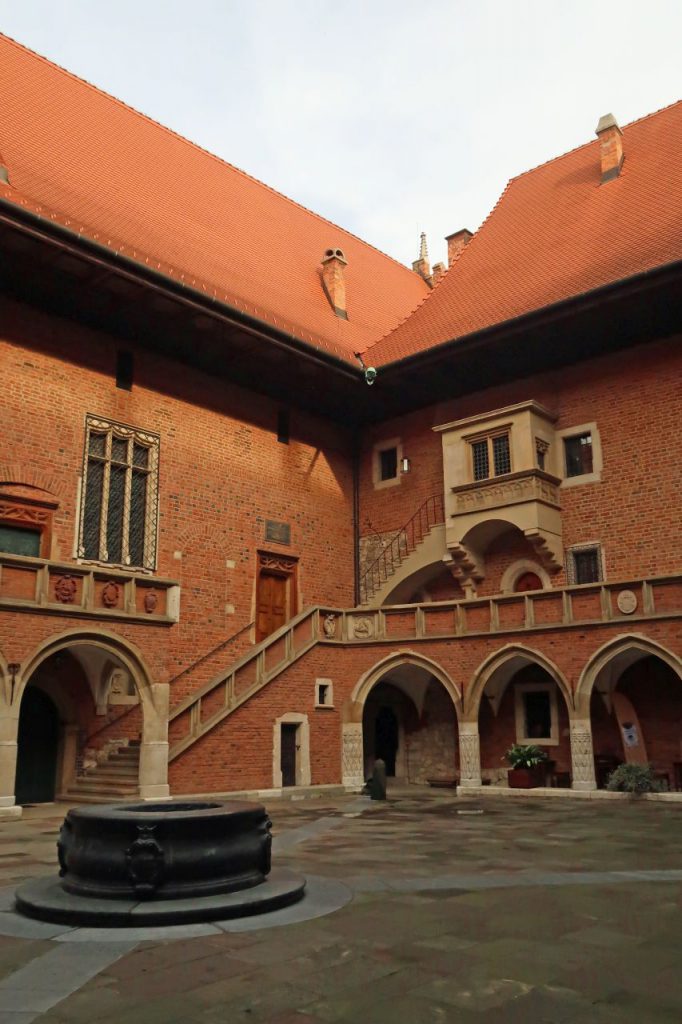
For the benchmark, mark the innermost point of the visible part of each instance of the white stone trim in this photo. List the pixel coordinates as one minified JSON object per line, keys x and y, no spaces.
{"x":517,"y":569}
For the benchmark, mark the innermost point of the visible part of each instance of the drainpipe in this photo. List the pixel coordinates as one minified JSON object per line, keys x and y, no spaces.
{"x":355,"y":459}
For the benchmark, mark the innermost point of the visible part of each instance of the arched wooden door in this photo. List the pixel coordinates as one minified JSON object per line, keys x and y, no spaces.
{"x":37,"y":747}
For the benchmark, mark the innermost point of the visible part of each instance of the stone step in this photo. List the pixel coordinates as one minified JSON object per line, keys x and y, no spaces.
{"x":76,"y":797}
{"x":115,"y":769}
{"x":96,"y":785}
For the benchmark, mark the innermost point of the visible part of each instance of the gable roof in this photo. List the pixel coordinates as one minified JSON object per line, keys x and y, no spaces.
{"x":82,"y":159}
{"x":557,"y":233}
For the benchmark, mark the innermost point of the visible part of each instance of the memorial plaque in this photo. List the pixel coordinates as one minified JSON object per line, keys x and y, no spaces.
{"x":280,"y":533}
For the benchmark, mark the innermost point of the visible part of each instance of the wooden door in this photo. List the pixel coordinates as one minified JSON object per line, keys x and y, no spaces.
{"x":272,"y":609}
{"x":288,"y":757}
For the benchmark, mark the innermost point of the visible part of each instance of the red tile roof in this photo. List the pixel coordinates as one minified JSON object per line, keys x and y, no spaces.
{"x":84,"y":159}
{"x":556,"y":233}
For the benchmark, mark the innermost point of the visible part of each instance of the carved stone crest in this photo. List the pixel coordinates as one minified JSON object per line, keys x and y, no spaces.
{"x":627,"y":602}
{"x":145,"y":861}
{"x":151,"y":599}
{"x":110,"y":592}
{"x":65,"y":589}
{"x":329,"y":626}
{"x":363,"y":627}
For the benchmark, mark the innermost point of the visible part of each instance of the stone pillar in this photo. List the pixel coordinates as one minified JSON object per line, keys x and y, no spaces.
{"x":352,"y":767}
{"x":9,"y":726}
{"x":469,"y":755}
{"x":154,"y":748}
{"x":68,"y":759}
{"x":582,"y":754}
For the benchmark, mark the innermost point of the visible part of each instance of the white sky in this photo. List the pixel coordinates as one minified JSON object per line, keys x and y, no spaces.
{"x":386,"y":116}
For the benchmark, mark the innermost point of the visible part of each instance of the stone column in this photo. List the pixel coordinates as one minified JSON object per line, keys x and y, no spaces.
{"x":352,"y":767}
{"x":154,"y":748}
{"x":469,"y":755}
{"x":582,"y":754}
{"x":9,"y":726}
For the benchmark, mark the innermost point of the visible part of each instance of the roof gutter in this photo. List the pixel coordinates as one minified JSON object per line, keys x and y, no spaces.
{"x":124,"y":266}
{"x":545,"y":314}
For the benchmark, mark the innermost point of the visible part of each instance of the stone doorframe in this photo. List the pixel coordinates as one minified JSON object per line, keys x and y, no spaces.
{"x":154,"y":700}
{"x":352,"y":765}
{"x":303,"y":774}
{"x":582,"y":757}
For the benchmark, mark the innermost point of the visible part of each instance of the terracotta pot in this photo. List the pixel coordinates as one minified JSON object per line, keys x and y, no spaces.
{"x":525,"y":778}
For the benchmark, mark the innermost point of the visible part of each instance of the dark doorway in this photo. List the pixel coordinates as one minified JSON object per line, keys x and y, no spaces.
{"x":386,"y":738}
{"x":37,"y":748}
{"x":288,"y":756}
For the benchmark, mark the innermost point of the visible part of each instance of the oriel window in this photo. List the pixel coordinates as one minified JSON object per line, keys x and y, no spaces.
{"x":120,"y":495}
{"x":491,"y":452}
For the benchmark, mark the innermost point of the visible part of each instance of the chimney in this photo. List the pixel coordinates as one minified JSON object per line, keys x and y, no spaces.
{"x":611,"y":147}
{"x":438,"y":271}
{"x":457,"y":242}
{"x":421,"y":266}
{"x":334,"y":280}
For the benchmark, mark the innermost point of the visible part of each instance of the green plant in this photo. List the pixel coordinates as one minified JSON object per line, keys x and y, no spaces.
{"x":527,"y":755}
{"x":633,"y":778}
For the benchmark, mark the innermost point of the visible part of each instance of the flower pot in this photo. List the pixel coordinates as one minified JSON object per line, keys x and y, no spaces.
{"x":525,"y":778}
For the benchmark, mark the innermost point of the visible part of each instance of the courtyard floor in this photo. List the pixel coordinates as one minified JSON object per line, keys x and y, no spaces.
{"x":532,"y":911}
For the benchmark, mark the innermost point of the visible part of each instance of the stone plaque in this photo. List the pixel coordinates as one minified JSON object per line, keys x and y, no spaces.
{"x":627,"y":602}
{"x":280,"y":533}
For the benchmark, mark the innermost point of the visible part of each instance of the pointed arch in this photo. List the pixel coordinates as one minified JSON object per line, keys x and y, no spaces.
{"x":510,"y":659}
{"x":105,"y":640}
{"x":621,"y":651}
{"x":370,"y":678}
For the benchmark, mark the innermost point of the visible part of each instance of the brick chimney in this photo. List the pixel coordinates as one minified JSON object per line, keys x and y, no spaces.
{"x":611,"y":147}
{"x":334,"y":280}
{"x":422,"y":265}
{"x":456,"y":242}
{"x":438,"y":271}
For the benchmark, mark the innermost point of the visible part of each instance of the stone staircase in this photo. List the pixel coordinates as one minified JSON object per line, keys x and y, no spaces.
{"x":116,"y":778}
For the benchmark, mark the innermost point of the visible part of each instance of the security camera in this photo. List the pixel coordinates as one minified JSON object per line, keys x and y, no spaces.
{"x":370,"y":375}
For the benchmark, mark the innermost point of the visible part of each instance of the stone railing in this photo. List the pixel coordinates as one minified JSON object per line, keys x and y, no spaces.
{"x":583,"y":605}
{"x":528,"y":485}
{"x":38,"y":584}
{"x":571,"y":607}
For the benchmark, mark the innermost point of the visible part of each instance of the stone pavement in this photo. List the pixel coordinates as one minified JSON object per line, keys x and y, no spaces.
{"x":532,"y":911}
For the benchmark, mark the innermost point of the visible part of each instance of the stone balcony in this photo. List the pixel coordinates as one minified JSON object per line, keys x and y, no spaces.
{"x":85,"y":591}
{"x":527,"y":500}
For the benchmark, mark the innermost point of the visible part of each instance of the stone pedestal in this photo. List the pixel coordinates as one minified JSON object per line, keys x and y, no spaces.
{"x":469,"y":755}
{"x":582,"y":755}
{"x":351,"y":756}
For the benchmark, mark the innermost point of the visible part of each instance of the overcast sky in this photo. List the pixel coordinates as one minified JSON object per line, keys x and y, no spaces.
{"x":386,"y":116}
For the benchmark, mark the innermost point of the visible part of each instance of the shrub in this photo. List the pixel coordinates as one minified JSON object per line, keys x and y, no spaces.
{"x":633,"y":778}
{"x":525,"y":755}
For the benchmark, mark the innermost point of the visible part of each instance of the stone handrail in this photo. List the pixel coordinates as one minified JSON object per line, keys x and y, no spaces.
{"x":569,"y":607}
{"x":86,"y":590}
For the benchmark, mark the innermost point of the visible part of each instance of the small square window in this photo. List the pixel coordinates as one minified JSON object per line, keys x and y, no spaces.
{"x":584,"y":565}
{"x":324,"y":695}
{"x":491,"y":451}
{"x":479,"y":451}
{"x":388,"y":464}
{"x":537,"y":714}
{"x":578,"y":454}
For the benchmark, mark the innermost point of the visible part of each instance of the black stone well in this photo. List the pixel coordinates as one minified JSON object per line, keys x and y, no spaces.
{"x":161,"y":863}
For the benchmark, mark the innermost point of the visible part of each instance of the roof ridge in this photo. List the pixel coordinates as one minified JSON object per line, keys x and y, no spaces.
{"x":591,"y":142}
{"x":426,"y":298}
{"x":200,"y":149}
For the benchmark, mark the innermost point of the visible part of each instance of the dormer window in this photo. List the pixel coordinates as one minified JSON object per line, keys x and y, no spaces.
{"x":491,"y":452}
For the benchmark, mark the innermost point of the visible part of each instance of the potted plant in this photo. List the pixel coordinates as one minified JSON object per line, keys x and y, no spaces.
{"x":527,"y":766}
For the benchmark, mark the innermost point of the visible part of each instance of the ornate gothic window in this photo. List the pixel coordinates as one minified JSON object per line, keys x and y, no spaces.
{"x":120,"y":495}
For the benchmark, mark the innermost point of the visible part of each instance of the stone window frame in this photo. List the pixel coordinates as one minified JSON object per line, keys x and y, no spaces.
{"x":570,"y":563}
{"x":329,"y":703}
{"x":489,"y":436}
{"x":597,"y":457}
{"x":514,"y":571}
{"x":35,"y":515}
{"x":520,"y":716}
{"x":377,"y":449}
{"x":121,"y":431}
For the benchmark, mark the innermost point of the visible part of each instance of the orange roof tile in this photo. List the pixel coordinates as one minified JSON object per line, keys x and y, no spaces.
{"x":85,"y":160}
{"x":556,"y":233}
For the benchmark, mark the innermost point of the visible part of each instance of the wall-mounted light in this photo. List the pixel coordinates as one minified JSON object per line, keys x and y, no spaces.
{"x":405,"y":464}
